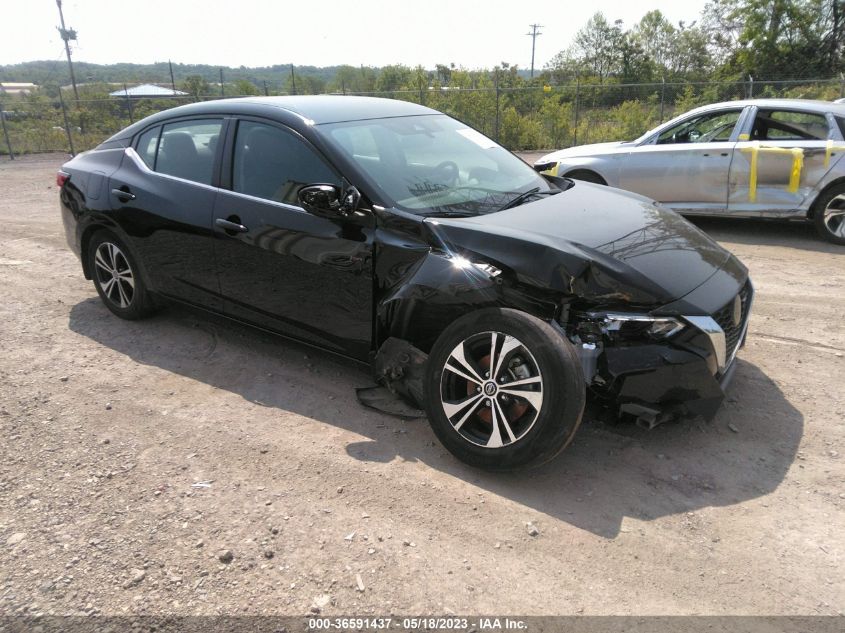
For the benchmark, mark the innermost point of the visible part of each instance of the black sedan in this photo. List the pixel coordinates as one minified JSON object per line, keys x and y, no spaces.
{"x":485,"y":293}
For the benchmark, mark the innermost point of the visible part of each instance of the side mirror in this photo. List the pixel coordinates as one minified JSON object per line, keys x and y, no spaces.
{"x":328,"y":200}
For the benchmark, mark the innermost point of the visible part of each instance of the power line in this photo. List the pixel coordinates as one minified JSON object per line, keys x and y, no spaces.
{"x":533,"y":35}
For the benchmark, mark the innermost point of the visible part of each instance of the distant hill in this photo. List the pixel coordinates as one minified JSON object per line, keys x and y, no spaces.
{"x":44,"y":72}
{"x":56,"y":72}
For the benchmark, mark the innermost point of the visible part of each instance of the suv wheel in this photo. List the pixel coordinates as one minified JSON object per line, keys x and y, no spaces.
{"x":503,"y":389}
{"x":829,"y":216}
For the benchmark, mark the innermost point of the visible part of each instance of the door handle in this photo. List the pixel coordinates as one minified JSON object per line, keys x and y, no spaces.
{"x":123,"y":195}
{"x":230,"y":226}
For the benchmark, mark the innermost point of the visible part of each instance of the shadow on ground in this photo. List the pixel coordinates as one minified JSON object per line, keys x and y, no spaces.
{"x":607,"y":474}
{"x":789,"y":234}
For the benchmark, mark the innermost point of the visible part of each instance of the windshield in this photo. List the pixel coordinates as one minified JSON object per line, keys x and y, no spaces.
{"x":435,"y":165}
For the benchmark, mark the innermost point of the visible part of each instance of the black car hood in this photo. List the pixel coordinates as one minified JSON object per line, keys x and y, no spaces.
{"x":590,"y":241}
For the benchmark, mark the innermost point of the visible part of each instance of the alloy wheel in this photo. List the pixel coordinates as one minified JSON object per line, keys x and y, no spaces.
{"x":114,"y":274}
{"x":834,"y":216}
{"x":491,"y":389}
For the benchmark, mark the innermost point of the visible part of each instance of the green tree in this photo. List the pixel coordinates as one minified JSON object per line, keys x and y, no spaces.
{"x":196,"y":86}
{"x":777,"y":38}
{"x":597,"y":45}
{"x":393,"y":78}
{"x":244,"y":87}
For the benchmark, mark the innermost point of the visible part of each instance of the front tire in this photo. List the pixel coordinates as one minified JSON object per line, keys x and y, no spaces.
{"x":116,"y":277}
{"x":503,"y":389}
{"x":829,"y":214}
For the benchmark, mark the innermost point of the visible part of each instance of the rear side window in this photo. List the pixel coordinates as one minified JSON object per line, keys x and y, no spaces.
{"x":787,"y":125}
{"x":187,"y":149}
{"x":273,"y":164}
{"x":148,"y":146}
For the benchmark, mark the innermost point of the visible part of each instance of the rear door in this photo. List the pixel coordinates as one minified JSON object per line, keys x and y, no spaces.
{"x":281,"y":267}
{"x":784,"y":129}
{"x":163,"y":197}
{"x":687,"y":165}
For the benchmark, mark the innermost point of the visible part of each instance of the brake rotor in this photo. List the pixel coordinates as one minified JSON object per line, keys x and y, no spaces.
{"x":513,"y":410}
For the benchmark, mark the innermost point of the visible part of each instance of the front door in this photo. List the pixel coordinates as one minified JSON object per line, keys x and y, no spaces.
{"x":687,"y":165}
{"x":281,"y":267}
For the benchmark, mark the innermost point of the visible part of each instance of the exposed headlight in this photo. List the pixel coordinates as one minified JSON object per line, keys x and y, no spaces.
{"x":545,"y":166}
{"x":627,"y":326}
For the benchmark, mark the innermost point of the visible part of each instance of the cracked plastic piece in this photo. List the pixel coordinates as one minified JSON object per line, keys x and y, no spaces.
{"x":400,"y":366}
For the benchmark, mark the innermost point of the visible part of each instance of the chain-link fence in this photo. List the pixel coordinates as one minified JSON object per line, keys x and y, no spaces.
{"x":520,"y":118}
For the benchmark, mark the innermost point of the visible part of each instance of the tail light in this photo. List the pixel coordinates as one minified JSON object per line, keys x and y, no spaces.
{"x":61,"y":178}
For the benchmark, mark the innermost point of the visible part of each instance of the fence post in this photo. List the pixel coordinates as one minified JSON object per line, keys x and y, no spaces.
{"x":577,"y":106}
{"x":841,"y":85}
{"x":67,"y":125}
{"x":128,"y":103}
{"x":750,"y":87}
{"x":662,"y":96}
{"x":6,"y":132}
{"x":498,"y":94}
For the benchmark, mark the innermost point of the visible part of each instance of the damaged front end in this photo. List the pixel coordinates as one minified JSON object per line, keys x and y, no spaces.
{"x":656,"y":311}
{"x":656,"y":367}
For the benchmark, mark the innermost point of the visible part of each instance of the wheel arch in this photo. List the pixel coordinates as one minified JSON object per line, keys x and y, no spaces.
{"x":811,"y":213}
{"x":88,"y":233}
{"x":582,"y":171}
{"x":418,"y":309}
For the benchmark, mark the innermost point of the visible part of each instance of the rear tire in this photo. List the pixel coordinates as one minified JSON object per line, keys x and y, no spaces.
{"x":117,"y":277}
{"x":829,"y":214}
{"x":524,"y":413}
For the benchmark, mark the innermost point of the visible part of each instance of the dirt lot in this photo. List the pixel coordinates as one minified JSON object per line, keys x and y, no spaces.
{"x":106,"y":425}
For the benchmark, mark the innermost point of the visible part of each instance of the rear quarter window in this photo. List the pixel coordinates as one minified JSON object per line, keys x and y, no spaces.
{"x":187,"y":149}
{"x":148,"y":146}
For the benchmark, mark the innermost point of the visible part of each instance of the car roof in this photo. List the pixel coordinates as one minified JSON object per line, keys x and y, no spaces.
{"x":304,"y":109}
{"x":810,"y":105}
{"x":336,"y":108}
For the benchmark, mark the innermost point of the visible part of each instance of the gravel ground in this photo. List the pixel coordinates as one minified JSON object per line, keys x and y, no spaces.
{"x":183,"y":465}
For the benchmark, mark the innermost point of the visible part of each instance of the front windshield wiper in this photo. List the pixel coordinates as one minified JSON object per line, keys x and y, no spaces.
{"x":451,"y":214}
{"x":528,"y":194}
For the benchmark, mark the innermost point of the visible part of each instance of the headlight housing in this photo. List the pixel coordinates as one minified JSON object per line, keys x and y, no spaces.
{"x":622,"y":326}
{"x":546,"y":166}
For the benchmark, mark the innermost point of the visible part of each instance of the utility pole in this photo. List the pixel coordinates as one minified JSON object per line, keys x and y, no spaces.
{"x":292,"y":80}
{"x":67,"y":35}
{"x":172,"y":81}
{"x":222,"y":93}
{"x":533,"y":35}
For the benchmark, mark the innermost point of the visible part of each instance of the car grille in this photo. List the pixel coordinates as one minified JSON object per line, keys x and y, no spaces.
{"x":725,"y":318}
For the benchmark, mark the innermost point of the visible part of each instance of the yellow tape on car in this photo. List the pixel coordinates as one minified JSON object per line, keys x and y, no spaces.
{"x":828,"y":151}
{"x":755,"y":149}
{"x":551,"y":171}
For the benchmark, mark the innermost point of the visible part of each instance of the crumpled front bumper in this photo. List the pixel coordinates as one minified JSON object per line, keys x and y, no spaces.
{"x":687,"y":375}
{"x":656,"y":380}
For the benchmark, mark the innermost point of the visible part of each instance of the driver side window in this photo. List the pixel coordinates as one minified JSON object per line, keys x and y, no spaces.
{"x":273,"y":164}
{"x":706,"y":128}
